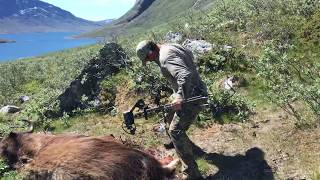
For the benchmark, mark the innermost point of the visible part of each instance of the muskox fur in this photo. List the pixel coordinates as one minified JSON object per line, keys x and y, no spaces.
{"x":68,"y":156}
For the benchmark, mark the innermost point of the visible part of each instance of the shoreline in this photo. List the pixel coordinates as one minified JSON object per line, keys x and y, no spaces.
{"x":6,"y":41}
{"x":58,"y":42}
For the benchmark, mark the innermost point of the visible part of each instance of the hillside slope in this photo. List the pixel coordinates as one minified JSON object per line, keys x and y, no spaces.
{"x":37,"y":16}
{"x":267,"y":127}
{"x":149,"y":13}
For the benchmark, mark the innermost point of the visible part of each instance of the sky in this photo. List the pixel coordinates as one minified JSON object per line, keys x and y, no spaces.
{"x":94,"y":10}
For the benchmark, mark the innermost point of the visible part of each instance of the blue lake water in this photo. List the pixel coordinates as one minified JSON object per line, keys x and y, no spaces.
{"x":35,"y":44}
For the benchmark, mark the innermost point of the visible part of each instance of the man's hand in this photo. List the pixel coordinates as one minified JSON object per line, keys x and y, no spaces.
{"x":177,"y":104}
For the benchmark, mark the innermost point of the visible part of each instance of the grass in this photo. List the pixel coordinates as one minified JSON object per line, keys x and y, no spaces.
{"x":95,"y":124}
{"x":204,"y":166}
{"x":254,"y":90}
{"x":6,"y":174}
{"x":11,"y":175}
{"x":316,"y":174}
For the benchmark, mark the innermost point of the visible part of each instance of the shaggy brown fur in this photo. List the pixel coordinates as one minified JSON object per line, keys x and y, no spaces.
{"x":79,"y":157}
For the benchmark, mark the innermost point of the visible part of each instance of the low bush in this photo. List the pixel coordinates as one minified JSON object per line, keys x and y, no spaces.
{"x":290,"y":83}
{"x":226,"y":58}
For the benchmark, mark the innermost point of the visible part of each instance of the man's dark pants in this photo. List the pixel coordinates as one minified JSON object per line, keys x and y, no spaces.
{"x":179,"y":124}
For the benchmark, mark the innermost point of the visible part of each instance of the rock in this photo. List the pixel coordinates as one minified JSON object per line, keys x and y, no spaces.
{"x":83,"y":92}
{"x":173,"y":37}
{"x":24,"y":99}
{"x":227,"y":48}
{"x":232,"y":82}
{"x":228,"y":83}
{"x":186,"y":26}
{"x":159,"y":128}
{"x":9,"y":109}
{"x":198,"y":47}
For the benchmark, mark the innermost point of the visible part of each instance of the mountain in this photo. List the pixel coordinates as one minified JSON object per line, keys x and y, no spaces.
{"x":149,"y":13}
{"x":18,"y":16}
{"x":105,"y":22}
{"x":139,"y":7}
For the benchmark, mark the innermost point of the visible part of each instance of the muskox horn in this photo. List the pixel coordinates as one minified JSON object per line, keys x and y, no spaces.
{"x":31,"y":126}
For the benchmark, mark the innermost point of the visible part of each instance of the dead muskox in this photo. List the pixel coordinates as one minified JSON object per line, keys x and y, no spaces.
{"x":68,"y":156}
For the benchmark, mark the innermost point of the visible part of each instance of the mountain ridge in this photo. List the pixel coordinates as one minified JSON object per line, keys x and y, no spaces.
{"x":17,"y":16}
{"x":146,"y":14}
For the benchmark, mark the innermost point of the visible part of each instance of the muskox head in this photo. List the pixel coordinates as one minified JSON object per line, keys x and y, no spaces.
{"x":10,"y":146}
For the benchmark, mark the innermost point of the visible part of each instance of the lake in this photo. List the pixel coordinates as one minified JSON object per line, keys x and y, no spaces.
{"x":35,"y":44}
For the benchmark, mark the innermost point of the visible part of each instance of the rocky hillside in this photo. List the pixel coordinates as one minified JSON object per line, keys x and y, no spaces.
{"x":36,"y":16}
{"x":139,"y":7}
{"x":149,"y":13}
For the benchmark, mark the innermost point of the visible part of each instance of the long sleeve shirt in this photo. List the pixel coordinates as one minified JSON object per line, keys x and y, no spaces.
{"x":176,"y":64}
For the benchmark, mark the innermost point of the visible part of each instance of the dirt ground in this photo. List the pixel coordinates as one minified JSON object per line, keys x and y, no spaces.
{"x":267,"y":146}
{"x":264,"y":148}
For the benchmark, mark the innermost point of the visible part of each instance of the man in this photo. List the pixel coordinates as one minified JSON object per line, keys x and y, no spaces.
{"x":176,"y":64}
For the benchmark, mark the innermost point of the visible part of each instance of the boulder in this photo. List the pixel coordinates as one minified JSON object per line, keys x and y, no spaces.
{"x":24,"y":99}
{"x":232,"y":82}
{"x":229,"y":83}
{"x":9,"y":109}
{"x":159,"y":128}
{"x":84,"y":90}
{"x":198,"y":47}
{"x":173,"y":37}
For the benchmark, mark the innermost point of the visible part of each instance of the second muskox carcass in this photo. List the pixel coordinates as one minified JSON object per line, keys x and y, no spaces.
{"x":68,"y":156}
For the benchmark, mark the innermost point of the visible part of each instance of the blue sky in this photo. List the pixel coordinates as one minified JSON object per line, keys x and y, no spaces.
{"x":94,"y":9}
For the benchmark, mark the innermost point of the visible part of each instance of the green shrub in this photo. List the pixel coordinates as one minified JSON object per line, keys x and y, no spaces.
{"x":108,"y":94}
{"x":230,"y":107}
{"x":223,"y":59}
{"x":31,"y":87}
{"x":52,"y":72}
{"x":147,"y":79}
{"x":6,"y":173}
{"x":311,"y":30}
{"x":204,"y":166}
{"x":290,"y":83}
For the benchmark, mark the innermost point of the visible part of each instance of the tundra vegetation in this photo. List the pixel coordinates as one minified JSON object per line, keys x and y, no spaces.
{"x":274,"y":48}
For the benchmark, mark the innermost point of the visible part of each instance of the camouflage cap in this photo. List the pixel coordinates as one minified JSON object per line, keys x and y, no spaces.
{"x":143,"y":49}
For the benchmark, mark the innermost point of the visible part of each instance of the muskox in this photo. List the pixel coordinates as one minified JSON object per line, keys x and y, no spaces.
{"x":69,"y":156}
